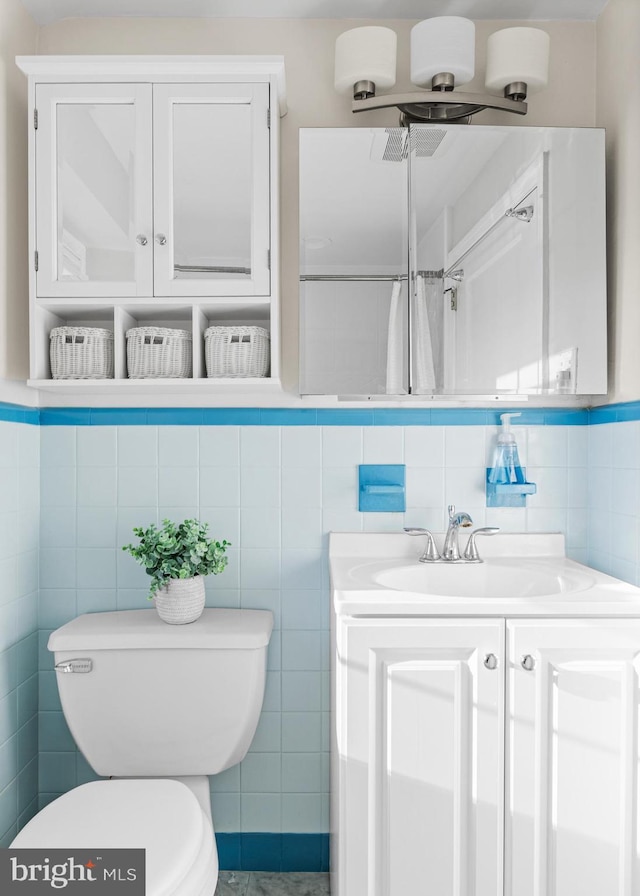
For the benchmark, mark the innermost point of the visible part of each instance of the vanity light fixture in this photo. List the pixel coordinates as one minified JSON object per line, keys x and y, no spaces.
{"x":442,"y":58}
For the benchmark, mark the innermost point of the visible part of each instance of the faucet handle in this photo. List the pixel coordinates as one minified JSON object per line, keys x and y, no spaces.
{"x":430,"y":554}
{"x":471,"y":554}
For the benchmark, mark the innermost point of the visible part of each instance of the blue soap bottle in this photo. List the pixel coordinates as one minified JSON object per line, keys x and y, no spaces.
{"x":506,"y":467}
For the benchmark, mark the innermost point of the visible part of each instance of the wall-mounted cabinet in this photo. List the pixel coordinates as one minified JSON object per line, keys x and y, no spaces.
{"x":153,"y":199}
{"x":450,"y":261}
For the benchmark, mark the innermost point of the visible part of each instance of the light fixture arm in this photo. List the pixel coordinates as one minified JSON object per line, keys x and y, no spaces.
{"x":438,"y":105}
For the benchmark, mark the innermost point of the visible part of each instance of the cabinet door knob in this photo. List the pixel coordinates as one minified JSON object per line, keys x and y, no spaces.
{"x":141,"y":239}
{"x":527,"y":662}
{"x":491,"y":661}
{"x":161,"y":239}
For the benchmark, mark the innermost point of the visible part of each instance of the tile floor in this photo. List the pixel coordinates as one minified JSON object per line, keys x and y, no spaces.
{"x":265,"y":883}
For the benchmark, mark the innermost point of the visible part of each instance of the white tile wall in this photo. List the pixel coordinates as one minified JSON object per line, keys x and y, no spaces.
{"x":613,"y":524}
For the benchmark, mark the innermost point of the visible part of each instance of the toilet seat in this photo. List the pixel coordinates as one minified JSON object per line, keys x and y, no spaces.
{"x":160,"y":815}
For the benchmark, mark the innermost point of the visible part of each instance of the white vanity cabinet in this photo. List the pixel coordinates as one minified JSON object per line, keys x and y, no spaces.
{"x":572,"y":756}
{"x":486,"y":756}
{"x":153,"y":198}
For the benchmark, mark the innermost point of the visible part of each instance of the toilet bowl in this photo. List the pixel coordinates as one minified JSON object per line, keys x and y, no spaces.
{"x":161,"y":816}
{"x":156,"y":708}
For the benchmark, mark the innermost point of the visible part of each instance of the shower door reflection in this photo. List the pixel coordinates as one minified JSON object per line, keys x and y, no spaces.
{"x":353,"y":262}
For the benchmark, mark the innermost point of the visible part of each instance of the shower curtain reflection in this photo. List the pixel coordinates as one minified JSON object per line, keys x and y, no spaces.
{"x":426,"y":337}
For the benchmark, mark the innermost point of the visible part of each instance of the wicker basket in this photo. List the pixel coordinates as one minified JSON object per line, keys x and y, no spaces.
{"x":81,"y":353}
{"x":236,"y":351}
{"x":154,"y":352}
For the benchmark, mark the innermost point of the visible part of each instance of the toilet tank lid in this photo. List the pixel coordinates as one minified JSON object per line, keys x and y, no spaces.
{"x":143,"y":629}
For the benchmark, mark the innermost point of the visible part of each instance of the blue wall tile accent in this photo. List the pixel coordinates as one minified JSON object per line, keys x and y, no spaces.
{"x":65,"y":416}
{"x":615,"y":413}
{"x":118,"y":416}
{"x":401,"y":417}
{"x":261,"y":852}
{"x":17,"y":413}
{"x":273,"y":852}
{"x":288,"y":416}
{"x":174,"y":416}
{"x":344,"y":417}
{"x":563,"y":417}
{"x":231,"y":416}
{"x":317,"y":416}
{"x":229,"y":855}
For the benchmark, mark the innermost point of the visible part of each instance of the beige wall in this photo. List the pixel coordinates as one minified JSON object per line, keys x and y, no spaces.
{"x":18,"y":35}
{"x":308,"y":50}
{"x":618,"y":110}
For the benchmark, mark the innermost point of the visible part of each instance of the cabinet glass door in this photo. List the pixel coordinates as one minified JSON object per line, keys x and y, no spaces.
{"x":211,"y":190}
{"x":93,"y":163}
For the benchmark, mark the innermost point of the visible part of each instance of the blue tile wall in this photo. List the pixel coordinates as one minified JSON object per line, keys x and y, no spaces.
{"x":19,"y":516}
{"x":274,"y":482}
{"x":614,"y":498}
{"x":274,"y":490}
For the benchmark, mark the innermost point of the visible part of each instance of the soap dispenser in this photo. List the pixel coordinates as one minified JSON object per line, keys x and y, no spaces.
{"x":506,"y":466}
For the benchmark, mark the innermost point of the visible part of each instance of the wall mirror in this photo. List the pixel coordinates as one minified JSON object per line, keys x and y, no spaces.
{"x":445,"y":260}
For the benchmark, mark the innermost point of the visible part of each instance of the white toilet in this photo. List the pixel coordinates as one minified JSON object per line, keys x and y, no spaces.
{"x":158,"y":708}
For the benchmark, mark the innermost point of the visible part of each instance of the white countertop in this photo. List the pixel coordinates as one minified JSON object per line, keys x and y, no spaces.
{"x":565,"y":588}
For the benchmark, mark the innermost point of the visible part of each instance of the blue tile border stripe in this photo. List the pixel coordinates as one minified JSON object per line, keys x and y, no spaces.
{"x":308,"y":416}
{"x":64,"y":416}
{"x":273,"y":852}
{"x":615,"y":413}
{"x":17,"y":413}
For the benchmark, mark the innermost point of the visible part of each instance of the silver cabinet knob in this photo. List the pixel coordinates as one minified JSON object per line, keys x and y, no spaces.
{"x":141,"y":239}
{"x":491,"y":661}
{"x":161,"y":239}
{"x":528,"y":663}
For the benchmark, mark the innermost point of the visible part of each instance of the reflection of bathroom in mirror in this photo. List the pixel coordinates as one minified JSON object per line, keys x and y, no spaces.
{"x":94,"y":189}
{"x":451,"y":260}
{"x":212,"y":190}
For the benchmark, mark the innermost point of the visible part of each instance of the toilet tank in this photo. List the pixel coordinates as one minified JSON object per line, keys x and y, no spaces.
{"x":144,"y":699}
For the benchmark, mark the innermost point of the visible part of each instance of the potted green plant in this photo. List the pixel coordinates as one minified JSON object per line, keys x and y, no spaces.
{"x":177,"y":557}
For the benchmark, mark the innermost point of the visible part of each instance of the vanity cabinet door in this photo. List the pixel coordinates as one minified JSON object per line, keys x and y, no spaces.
{"x":211,"y":185}
{"x":419,"y":761}
{"x":573,"y":754}
{"x":93,"y":203}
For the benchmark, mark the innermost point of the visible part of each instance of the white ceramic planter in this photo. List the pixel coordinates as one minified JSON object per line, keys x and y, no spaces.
{"x":181,"y":601}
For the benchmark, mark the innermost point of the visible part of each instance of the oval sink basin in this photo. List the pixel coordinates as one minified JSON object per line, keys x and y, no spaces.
{"x":492,"y":579}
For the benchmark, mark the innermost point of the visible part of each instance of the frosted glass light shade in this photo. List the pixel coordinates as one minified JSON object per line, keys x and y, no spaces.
{"x":518,"y":54}
{"x":366,"y":54}
{"x":443,"y":44}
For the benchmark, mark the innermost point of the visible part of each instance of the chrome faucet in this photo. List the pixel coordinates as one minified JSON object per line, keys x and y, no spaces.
{"x":451,"y":549}
{"x":430,"y":554}
{"x":471,"y":554}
